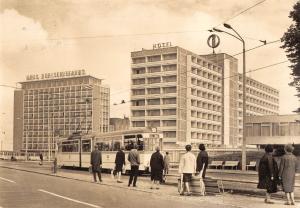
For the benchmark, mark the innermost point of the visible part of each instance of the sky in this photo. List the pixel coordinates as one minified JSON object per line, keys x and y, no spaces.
{"x":98,"y":36}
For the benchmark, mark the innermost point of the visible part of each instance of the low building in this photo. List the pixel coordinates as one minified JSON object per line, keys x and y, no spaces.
{"x":273,"y":129}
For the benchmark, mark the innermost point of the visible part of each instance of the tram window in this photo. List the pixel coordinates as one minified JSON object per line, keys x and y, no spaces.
{"x":70,"y":147}
{"x":103,"y":146}
{"x":134,"y":140}
{"x":116,"y":146}
{"x":86,"y":145}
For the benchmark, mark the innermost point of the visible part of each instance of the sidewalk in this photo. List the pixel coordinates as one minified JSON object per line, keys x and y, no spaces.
{"x":143,"y":185}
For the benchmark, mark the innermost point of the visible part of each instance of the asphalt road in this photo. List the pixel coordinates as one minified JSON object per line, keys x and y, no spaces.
{"x":31,"y":190}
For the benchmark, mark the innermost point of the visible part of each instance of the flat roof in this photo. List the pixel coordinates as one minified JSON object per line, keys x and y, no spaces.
{"x":273,"y":118}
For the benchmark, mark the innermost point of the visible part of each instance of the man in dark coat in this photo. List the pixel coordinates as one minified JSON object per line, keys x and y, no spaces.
{"x":202,"y":160}
{"x":119,"y":162}
{"x":157,"y":166}
{"x":96,"y":162}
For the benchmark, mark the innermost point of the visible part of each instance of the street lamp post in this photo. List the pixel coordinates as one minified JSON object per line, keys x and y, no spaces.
{"x":239,"y":37}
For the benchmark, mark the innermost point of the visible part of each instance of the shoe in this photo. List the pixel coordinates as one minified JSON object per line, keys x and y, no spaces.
{"x":288,"y":203}
{"x":151,"y":188}
{"x":129,"y":185}
{"x":119,"y":181}
{"x":268,"y":202}
{"x":188,"y":194}
{"x":293,"y":203}
{"x":157,"y":188}
{"x":134,"y":186}
{"x":100,"y":181}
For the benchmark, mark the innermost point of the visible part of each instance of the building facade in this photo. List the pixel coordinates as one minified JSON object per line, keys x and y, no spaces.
{"x":56,"y":105}
{"x":119,"y":124}
{"x":179,"y":93}
{"x":261,"y":99}
{"x":193,"y":98}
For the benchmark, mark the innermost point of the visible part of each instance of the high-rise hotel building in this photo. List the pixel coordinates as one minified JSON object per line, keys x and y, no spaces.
{"x":192,"y":98}
{"x":58,"y":104}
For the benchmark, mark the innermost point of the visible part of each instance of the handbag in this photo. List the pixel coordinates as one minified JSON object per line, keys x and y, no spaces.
{"x":279,"y":184}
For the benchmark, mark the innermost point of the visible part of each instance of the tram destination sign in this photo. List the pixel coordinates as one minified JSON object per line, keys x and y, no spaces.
{"x":53,"y":75}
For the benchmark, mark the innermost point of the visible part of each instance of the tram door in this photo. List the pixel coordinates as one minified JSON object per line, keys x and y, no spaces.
{"x":151,"y":141}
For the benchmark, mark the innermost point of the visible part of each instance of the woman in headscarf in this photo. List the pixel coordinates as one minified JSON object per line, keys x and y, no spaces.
{"x":287,"y":171}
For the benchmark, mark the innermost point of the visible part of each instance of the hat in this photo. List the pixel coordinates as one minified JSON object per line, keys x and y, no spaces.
{"x":289,"y":148}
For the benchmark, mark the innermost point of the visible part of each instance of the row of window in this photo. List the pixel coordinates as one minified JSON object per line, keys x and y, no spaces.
{"x":260,"y":94}
{"x":207,"y":95}
{"x":207,"y":75}
{"x":206,"y":116}
{"x":71,"y":107}
{"x":256,"y":109}
{"x":155,"y":80}
{"x":206,"y":105}
{"x":154,"y":58}
{"x":259,"y":102}
{"x":157,"y":101}
{"x":154,"y":69}
{"x":157,"y":90}
{"x":154,"y":112}
{"x":205,"y":136}
{"x":259,"y":86}
{"x":38,"y":146}
{"x":205,"y":126}
{"x":273,"y":129}
{"x":204,"y":63}
{"x":207,"y":85}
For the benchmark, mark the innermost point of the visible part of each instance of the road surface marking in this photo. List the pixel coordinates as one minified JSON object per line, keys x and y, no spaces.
{"x":70,"y":199}
{"x":5,"y":179}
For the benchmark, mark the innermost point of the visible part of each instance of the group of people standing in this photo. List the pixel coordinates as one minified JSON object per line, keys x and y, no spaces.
{"x":158,"y":165}
{"x":274,"y":173}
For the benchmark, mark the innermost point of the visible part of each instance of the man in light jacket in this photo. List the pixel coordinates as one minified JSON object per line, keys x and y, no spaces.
{"x":134,"y":159}
{"x":187,"y":167}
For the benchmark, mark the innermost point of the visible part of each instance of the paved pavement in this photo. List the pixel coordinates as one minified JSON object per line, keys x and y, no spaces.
{"x":38,"y":184}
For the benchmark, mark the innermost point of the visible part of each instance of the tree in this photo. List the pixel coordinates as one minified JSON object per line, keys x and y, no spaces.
{"x":291,"y":44}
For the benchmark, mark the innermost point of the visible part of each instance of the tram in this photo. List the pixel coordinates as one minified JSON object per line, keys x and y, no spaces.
{"x":75,"y":151}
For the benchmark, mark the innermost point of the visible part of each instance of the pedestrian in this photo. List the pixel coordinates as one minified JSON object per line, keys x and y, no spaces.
{"x":134,"y":159}
{"x":55,"y":165}
{"x":187,"y":167}
{"x":119,"y":163}
{"x":166,"y":165}
{"x":157,"y":166}
{"x":96,"y":163}
{"x":287,"y":171}
{"x":268,"y":174}
{"x":202,"y":160}
{"x":41,"y":159}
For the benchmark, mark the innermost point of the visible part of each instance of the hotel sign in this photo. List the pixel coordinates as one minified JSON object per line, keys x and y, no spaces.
{"x":162,"y":45}
{"x":54,"y":75}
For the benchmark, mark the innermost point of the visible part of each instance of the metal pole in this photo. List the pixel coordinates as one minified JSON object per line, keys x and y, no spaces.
{"x":244,"y":110}
{"x":48,"y":137}
{"x":26,"y":145}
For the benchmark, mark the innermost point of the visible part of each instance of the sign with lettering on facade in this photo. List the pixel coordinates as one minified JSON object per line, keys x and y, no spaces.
{"x":54,"y":75}
{"x":162,"y":45}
